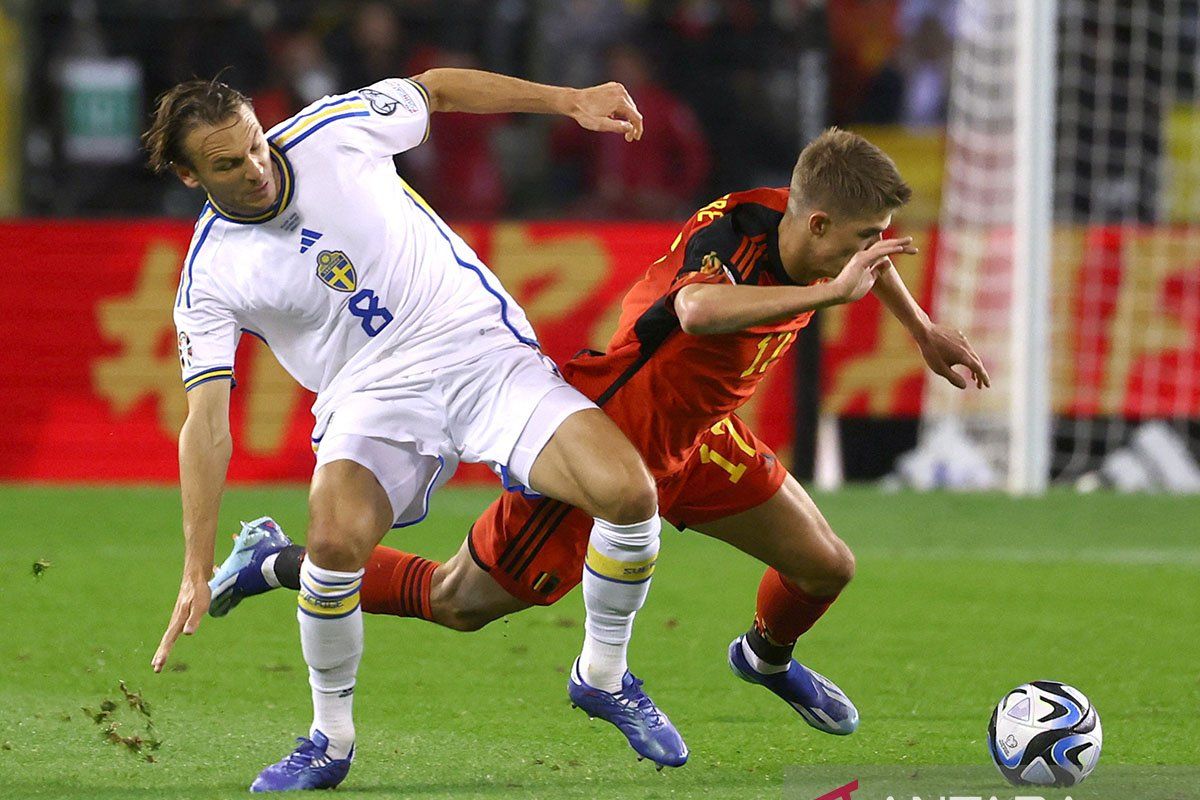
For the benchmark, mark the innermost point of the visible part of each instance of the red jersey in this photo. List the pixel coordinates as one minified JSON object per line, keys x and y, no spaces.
{"x":673,"y":394}
{"x":664,"y":387}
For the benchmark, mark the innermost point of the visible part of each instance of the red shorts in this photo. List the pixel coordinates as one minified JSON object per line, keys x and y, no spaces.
{"x":535,"y":548}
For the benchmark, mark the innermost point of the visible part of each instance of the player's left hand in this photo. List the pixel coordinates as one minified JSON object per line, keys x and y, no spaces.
{"x":945,"y":348}
{"x":608,"y":108}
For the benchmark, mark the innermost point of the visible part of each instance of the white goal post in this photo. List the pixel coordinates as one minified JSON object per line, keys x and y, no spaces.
{"x":1033,"y":221}
{"x":1068,"y":247}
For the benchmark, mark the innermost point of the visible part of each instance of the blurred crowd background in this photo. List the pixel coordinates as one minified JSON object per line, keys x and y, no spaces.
{"x":730,"y":90}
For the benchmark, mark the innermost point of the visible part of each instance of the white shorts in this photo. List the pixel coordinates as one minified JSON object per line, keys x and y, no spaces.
{"x":411,"y":431}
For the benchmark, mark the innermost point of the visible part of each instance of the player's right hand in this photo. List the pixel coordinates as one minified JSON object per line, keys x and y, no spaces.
{"x":860,"y":272}
{"x":190,"y":607}
{"x":608,"y":108}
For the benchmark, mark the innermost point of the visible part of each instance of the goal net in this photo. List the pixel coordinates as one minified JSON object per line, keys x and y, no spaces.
{"x":1122,"y":320}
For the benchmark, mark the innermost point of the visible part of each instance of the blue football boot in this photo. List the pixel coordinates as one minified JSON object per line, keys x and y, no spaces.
{"x":307,"y":767}
{"x":240,"y":576}
{"x":648,"y":730}
{"x":816,"y":698}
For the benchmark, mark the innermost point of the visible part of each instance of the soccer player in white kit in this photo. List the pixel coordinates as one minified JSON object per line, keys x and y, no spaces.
{"x":419,"y":359}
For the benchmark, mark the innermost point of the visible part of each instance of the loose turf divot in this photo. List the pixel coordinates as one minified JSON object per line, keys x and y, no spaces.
{"x":140,"y":744}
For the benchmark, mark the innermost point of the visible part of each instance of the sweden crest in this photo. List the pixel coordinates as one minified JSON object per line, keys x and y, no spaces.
{"x":335,"y":270}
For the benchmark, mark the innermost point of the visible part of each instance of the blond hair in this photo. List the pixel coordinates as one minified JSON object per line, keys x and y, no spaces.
{"x":842,"y":173}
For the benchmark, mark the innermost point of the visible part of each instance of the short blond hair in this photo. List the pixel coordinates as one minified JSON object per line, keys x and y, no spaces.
{"x":842,"y":173}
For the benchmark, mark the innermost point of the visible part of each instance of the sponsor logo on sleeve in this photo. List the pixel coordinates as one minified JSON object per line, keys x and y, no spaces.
{"x":185,"y":351}
{"x":386,"y":104}
{"x":381,"y":103}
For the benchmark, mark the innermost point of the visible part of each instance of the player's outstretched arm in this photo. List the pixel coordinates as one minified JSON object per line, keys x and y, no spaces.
{"x":942,"y":347}
{"x":705,"y":309}
{"x":205,"y":447}
{"x":607,"y":107}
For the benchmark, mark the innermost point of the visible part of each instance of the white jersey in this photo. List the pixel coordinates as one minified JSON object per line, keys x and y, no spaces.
{"x":351,"y":272}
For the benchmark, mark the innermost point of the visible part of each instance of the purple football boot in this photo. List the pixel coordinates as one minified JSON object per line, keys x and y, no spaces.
{"x":307,"y":767}
{"x":240,"y":576}
{"x":816,"y":698}
{"x":648,"y":730}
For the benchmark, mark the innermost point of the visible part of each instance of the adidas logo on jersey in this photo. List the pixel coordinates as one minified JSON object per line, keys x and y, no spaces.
{"x":308,"y":239}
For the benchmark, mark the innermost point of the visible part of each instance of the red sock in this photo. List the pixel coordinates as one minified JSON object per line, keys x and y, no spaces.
{"x":784,"y":610}
{"x":397,"y":583}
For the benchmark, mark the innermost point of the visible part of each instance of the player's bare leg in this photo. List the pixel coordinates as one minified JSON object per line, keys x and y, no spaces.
{"x":790,"y":534}
{"x":808,"y":566}
{"x":457,"y":594}
{"x":589,"y":464}
{"x":349,"y":514}
{"x":465,"y":598}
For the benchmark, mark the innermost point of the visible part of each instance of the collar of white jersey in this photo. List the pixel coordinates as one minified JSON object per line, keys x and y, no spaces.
{"x":287,"y":188}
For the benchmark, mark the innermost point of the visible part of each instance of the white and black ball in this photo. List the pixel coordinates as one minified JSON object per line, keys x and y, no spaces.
{"x":1045,"y":733}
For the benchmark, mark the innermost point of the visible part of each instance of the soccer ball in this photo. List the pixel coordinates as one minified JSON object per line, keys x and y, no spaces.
{"x":1045,"y":733}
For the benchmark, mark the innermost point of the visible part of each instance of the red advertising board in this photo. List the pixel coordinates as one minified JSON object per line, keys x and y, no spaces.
{"x":89,"y":374}
{"x":89,"y":371}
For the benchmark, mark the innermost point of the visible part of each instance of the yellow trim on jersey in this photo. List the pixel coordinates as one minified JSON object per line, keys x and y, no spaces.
{"x":421,"y":88}
{"x":286,"y":189}
{"x":428,"y":106}
{"x":623,"y":571}
{"x":421,"y":201}
{"x":316,"y":119}
{"x":207,"y":375}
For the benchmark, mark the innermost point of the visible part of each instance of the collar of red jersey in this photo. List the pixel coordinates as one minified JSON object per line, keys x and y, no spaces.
{"x":287,"y":188}
{"x":775,"y":260}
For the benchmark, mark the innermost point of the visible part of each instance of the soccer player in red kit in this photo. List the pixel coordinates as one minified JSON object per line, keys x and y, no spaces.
{"x":696,"y":335}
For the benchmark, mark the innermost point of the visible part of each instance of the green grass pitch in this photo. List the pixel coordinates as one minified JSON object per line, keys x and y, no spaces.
{"x":957,"y":599}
